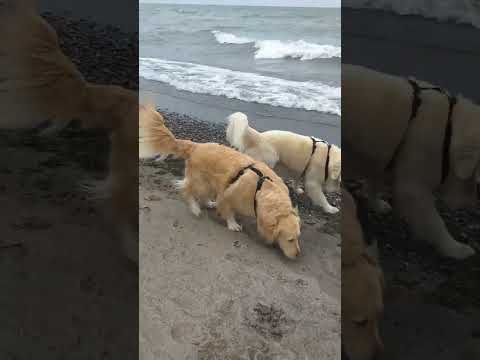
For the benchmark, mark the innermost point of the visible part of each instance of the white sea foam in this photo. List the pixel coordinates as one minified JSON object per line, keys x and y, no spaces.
{"x":202,"y":79}
{"x":227,"y":38}
{"x":462,"y":11}
{"x":277,"y":49}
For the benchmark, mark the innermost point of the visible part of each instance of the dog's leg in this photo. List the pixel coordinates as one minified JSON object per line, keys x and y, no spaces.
{"x":315,"y":192}
{"x":226,"y":213}
{"x":193,"y":205}
{"x":187,"y":191}
{"x":298,"y":187}
{"x":417,"y":206}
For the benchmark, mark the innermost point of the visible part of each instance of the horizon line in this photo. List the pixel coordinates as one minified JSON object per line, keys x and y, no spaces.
{"x":281,"y":6}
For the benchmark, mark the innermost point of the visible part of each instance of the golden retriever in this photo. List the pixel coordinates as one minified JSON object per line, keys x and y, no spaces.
{"x":233,"y":179}
{"x":362,"y":289}
{"x":315,"y":161}
{"x":388,"y":130}
{"x":38,"y":82}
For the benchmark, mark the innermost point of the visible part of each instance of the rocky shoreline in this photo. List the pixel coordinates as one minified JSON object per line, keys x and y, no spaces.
{"x":186,"y":127}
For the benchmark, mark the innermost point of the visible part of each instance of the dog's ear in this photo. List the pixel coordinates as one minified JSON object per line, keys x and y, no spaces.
{"x":465,"y":152}
{"x":335,"y":169}
{"x":465,"y":162}
{"x":267,"y":224}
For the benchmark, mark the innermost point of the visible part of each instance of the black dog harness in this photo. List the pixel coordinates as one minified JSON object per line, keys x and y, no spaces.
{"x":261,"y":179}
{"x":314,"y":148}
{"x":416,"y":103}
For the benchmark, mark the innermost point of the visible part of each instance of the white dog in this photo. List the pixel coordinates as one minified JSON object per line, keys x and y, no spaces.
{"x":422,"y":137}
{"x":315,"y":161}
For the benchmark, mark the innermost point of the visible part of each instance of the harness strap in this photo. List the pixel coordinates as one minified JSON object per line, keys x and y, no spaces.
{"x":261,"y":180}
{"x":447,"y":139}
{"x":327,"y":162}
{"x":240,"y":174}
{"x":314,"y":148}
{"x":416,"y":103}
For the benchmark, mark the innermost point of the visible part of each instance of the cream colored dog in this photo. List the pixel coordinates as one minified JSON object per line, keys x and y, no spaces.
{"x":218,"y":172}
{"x":318,"y":162}
{"x":386,"y":129}
{"x":362,"y":289}
{"x":38,"y":82}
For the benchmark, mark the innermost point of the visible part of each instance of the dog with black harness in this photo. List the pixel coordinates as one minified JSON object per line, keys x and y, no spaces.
{"x":238,"y":184}
{"x":420,"y":139}
{"x":312,"y":161}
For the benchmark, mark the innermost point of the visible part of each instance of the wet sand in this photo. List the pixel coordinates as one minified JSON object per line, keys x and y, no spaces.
{"x":264,"y":117}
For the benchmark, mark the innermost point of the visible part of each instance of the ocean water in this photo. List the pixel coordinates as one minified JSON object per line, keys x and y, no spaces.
{"x":461,"y":11}
{"x":283,"y":57}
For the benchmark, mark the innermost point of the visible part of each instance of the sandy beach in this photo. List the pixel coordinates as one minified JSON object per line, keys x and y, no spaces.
{"x":208,"y":293}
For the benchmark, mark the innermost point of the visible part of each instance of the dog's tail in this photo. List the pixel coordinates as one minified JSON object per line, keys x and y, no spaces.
{"x":248,"y":140}
{"x":239,"y":134}
{"x":155,"y":138}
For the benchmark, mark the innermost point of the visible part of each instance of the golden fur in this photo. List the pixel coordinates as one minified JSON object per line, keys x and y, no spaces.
{"x":38,"y":82}
{"x":294,"y":151}
{"x":209,"y":170}
{"x":376,"y":109}
{"x":362,"y":289}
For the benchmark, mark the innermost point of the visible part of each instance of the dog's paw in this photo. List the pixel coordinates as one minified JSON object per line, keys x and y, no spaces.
{"x":299,"y":191}
{"x":233,"y":225}
{"x":178,"y":184}
{"x":211,"y":205}
{"x":195,"y":209}
{"x":331,"y":210}
{"x":457,"y":250}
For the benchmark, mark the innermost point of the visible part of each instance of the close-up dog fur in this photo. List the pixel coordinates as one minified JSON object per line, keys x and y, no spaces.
{"x":362,"y":289}
{"x":38,"y":82}
{"x":314,"y":161}
{"x":229,"y":178}
{"x":419,"y":136}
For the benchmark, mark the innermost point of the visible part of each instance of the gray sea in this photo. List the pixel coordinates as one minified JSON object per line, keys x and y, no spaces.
{"x":271,"y":62}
